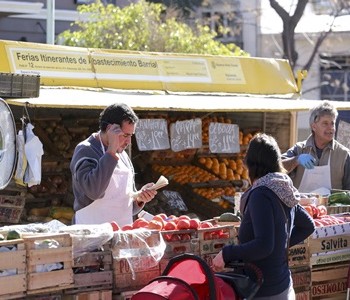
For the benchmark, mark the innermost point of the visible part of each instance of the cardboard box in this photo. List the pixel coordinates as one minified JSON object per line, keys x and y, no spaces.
{"x":13,"y":262}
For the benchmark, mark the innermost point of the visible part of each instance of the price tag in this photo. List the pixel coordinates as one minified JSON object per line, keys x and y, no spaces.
{"x":223,"y":138}
{"x":174,"y":200}
{"x":152,"y":134}
{"x":186,"y":135}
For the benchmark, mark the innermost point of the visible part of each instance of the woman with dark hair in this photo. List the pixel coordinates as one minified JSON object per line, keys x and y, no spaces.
{"x":272,"y":220}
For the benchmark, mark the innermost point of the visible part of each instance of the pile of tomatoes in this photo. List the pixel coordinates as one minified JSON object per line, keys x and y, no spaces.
{"x":175,"y":228}
{"x":320,"y":215}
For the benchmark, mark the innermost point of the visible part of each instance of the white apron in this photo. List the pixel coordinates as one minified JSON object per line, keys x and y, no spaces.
{"x":116,"y":204}
{"x":317,"y":178}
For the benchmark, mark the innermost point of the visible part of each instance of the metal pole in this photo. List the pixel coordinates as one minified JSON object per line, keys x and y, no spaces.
{"x":50,"y":22}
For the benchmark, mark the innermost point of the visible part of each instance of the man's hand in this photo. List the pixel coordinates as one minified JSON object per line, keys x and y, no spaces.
{"x":306,"y":160}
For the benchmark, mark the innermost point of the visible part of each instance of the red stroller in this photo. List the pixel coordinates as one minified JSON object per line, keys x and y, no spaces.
{"x":188,"y":277}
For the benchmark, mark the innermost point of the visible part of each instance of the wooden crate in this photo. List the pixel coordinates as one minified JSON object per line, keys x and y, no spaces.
{"x":40,"y":280}
{"x":11,"y":208}
{"x":14,"y":262}
{"x":93,"y":271}
{"x":302,"y":294}
{"x":208,"y":244}
{"x":124,"y":295}
{"x":330,"y":244}
{"x":92,"y":295}
{"x":299,"y":255}
{"x":301,"y":277}
{"x":338,"y":209}
{"x":329,"y":281}
{"x":125,"y":279}
{"x":179,"y":242}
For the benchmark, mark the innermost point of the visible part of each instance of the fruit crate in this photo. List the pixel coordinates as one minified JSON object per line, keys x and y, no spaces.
{"x":19,"y":85}
{"x":133,"y":254}
{"x":299,"y":255}
{"x":330,"y":244}
{"x":329,"y":281}
{"x":212,"y":240}
{"x":180,"y":241}
{"x":13,"y":262}
{"x":49,"y":262}
{"x":93,"y":271}
{"x":11,"y":208}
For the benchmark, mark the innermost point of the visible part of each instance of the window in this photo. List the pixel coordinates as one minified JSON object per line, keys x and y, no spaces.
{"x":227,"y":25}
{"x":328,"y":7}
{"x":335,"y":78}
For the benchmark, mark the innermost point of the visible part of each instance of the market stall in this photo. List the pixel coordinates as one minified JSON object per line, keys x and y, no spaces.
{"x":224,"y":100}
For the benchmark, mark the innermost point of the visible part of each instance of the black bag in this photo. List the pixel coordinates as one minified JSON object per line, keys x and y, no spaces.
{"x":245,"y":278}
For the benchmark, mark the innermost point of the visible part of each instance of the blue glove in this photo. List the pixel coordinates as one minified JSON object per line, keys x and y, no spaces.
{"x":306,"y":160}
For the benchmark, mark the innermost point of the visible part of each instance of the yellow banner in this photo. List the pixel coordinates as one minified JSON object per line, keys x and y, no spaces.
{"x":73,"y":66}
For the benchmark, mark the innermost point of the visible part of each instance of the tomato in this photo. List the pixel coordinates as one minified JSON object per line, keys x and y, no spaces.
{"x":175,"y":238}
{"x":140,"y":223}
{"x":315,"y":211}
{"x":127,"y":227}
{"x":185,"y":237}
{"x":170,"y":225}
{"x":322,"y":210}
{"x":155,"y":224}
{"x":183,"y":224}
{"x":224,"y":235}
{"x":159,"y":219}
{"x":162,"y":215}
{"x":206,"y":224}
{"x":309,"y":209}
{"x":194,"y":223}
{"x":207,"y":235}
{"x":184,"y":217}
{"x":214,"y":235}
{"x":115,"y":226}
{"x":167,"y":237}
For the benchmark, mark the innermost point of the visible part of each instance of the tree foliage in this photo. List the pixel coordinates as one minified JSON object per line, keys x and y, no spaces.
{"x":142,"y":27}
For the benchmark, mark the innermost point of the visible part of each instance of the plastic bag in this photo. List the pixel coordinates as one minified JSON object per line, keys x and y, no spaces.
{"x":142,"y":248}
{"x":33,"y":150}
{"x":88,"y":238}
{"x":22,"y":163}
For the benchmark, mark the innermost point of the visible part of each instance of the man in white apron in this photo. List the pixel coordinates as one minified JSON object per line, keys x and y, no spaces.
{"x":320,"y":163}
{"x":102,"y":174}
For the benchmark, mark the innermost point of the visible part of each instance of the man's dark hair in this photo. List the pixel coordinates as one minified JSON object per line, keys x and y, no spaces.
{"x":116,"y":114}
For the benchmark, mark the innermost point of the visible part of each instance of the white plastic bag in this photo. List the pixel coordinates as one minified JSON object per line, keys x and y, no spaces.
{"x":22,"y":163}
{"x":34,"y":151}
{"x":142,"y":248}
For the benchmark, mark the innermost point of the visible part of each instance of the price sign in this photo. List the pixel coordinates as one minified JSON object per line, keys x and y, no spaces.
{"x":186,"y":134}
{"x":223,"y":138}
{"x":174,"y":200}
{"x":152,"y":134}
